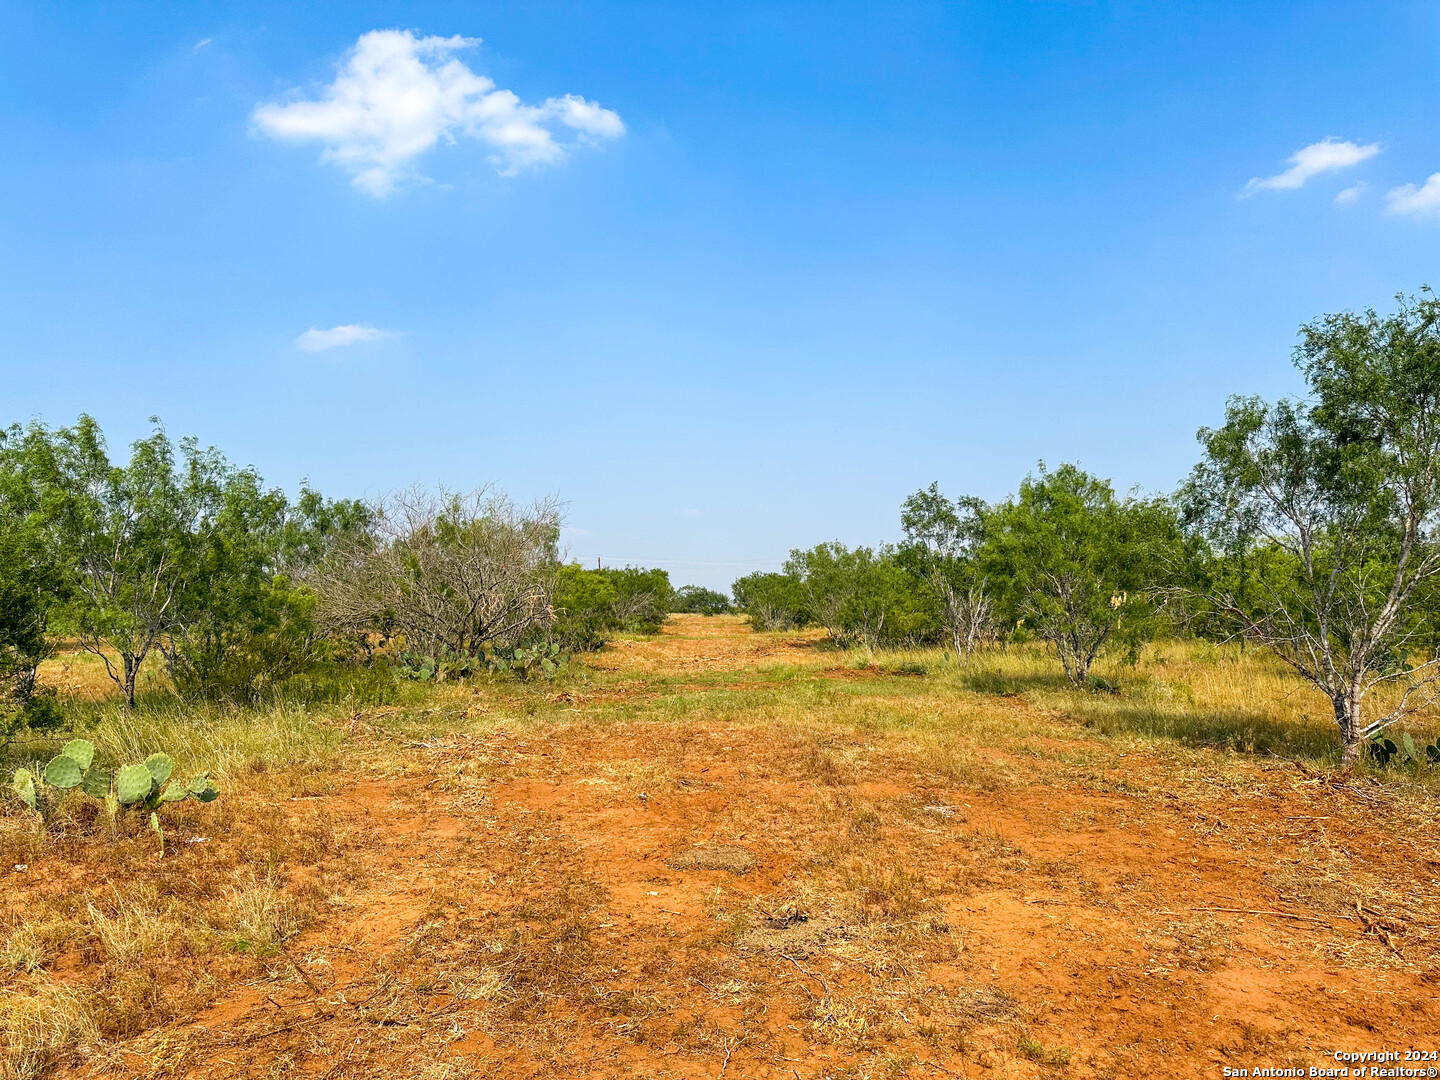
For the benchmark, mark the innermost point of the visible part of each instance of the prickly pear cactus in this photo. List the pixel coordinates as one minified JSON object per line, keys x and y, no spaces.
{"x":204,"y":789}
{"x":63,"y":773}
{"x":144,"y":787}
{"x":160,"y":767}
{"x":80,"y":751}
{"x":96,"y":782}
{"x":133,"y":784}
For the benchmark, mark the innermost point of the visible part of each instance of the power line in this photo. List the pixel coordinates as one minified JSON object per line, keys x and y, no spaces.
{"x":689,"y":562}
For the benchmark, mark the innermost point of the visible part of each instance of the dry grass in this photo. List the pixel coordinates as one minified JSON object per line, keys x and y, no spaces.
{"x":256,"y":916}
{"x":720,"y":852}
{"x":41,"y":1024}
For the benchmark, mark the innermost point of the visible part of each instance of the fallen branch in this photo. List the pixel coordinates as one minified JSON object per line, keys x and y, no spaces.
{"x":301,"y":972}
{"x":813,"y":975}
{"x":1280,"y":914}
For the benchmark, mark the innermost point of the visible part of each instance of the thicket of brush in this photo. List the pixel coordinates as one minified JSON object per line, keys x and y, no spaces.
{"x":1310,"y":528}
{"x":243,"y":594}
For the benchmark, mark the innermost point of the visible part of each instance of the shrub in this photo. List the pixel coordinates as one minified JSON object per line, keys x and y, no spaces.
{"x":863,"y":597}
{"x":445,"y":574}
{"x":698,"y":600}
{"x":772,"y":601}
{"x":589,"y":604}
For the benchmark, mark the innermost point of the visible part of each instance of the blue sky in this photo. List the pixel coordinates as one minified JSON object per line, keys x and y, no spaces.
{"x":728,"y":278}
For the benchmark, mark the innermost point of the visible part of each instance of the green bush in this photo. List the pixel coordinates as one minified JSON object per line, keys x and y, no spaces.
{"x":698,"y":600}
{"x":772,"y":601}
{"x":864,"y":597}
{"x":590,"y":604}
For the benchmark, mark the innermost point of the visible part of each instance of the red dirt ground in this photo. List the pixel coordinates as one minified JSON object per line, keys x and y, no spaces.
{"x":515,"y":915}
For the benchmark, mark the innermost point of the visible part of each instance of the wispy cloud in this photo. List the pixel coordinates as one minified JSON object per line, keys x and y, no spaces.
{"x":1351,"y":193}
{"x":1415,"y":200}
{"x":1327,"y":155}
{"x":396,"y":95}
{"x":314,"y":340}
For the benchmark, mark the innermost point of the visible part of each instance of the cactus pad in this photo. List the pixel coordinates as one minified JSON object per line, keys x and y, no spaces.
{"x":133,"y":783}
{"x":80,"y":751}
{"x":96,"y":783}
{"x":174,"y":793}
{"x":63,"y":773}
{"x":24,"y":786}
{"x":160,"y":767}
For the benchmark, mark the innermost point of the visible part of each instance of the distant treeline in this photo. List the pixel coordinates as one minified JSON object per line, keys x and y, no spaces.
{"x":1064,"y":561}
{"x":1309,"y":527}
{"x":178,"y":559}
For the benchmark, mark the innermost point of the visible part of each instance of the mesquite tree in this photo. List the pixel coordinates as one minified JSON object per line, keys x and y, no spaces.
{"x":857,"y":594}
{"x":124,"y":534}
{"x":942,"y":540}
{"x":449,"y":574}
{"x":31,"y":583}
{"x":1077,"y":565}
{"x":1324,"y":512}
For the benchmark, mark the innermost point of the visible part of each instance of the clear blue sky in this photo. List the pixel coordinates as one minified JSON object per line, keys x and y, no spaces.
{"x":770,"y":269}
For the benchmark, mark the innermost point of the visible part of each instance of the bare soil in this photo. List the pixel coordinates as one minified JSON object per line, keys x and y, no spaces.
{"x":688,"y":895}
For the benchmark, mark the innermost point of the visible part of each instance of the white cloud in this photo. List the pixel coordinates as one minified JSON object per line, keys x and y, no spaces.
{"x":396,"y":95}
{"x":1351,"y":193}
{"x":1324,"y":156}
{"x":1415,"y":200}
{"x":314,"y":340}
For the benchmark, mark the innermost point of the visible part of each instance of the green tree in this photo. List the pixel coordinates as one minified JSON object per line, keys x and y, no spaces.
{"x":124,"y":535}
{"x":30,"y":585}
{"x":584,"y":605}
{"x":1323,"y":514}
{"x":858,"y":595}
{"x":589,"y":605}
{"x":642,"y":597}
{"x":698,"y":600}
{"x":1077,"y":565}
{"x":772,"y":601}
{"x":246,"y":622}
{"x":942,"y":542}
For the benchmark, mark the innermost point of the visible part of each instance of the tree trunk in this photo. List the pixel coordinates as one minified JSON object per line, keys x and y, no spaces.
{"x":25,"y":683}
{"x":132,"y":670}
{"x":1347,"y":716}
{"x":1075,"y":663}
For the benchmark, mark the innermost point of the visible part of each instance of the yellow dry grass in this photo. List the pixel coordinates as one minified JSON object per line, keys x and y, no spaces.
{"x":952,"y":865}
